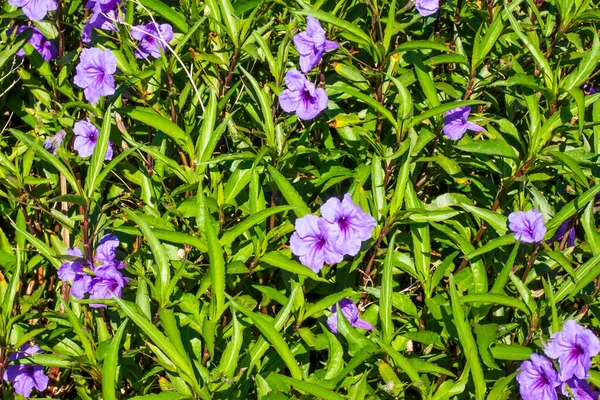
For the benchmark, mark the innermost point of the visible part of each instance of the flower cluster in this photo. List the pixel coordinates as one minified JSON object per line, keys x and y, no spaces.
{"x":301,"y":95}
{"x":528,"y":226}
{"x":574,"y":348}
{"x":25,"y":377}
{"x":100,"y":278}
{"x":43,"y":46}
{"x":340,"y":230}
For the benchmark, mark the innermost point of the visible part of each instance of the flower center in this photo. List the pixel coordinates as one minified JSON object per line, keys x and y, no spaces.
{"x":343,"y":224}
{"x":321,"y":242}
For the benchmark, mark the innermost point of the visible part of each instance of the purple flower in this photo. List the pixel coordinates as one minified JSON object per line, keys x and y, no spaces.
{"x":109,"y":282}
{"x":563,"y":230}
{"x":105,"y":13}
{"x":152,"y":39}
{"x":574,"y":348}
{"x":427,"y":7}
{"x":456,"y":123}
{"x":25,"y":377}
{"x":301,"y":96}
{"x":95,"y":73}
{"x":86,"y":135}
{"x":35,"y":10}
{"x":579,"y":390}
{"x":311,"y":44}
{"x":538,"y":379}
{"x":355,"y":226}
{"x":588,"y":89}
{"x":53,"y":142}
{"x":43,"y":46}
{"x":351,"y":313}
{"x":105,"y":253}
{"x":102,"y":5}
{"x":314,"y":242}
{"x":101,"y":278}
{"x":528,"y":226}
{"x":74,"y":271}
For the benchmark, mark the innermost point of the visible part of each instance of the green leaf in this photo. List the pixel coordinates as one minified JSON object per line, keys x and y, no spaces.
{"x":352,"y":31}
{"x":111,"y":362}
{"x":149,"y":117}
{"x":161,"y":342}
{"x":229,"y":359}
{"x":385,"y":307}
{"x":492,"y":245}
{"x":20,"y":41}
{"x":249,"y":222}
{"x":265,"y":105}
{"x":168,"y":13}
{"x":92,"y":182}
{"x":163,"y":277}
{"x":267,"y":329}
{"x":55,"y":162}
{"x":276,"y":259}
{"x":584,"y":275}
{"x":584,"y":68}
{"x":311,"y":388}
{"x":491,"y":298}
{"x":217,"y":268}
{"x":289,"y":193}
{"x":467,"y":341}
{"x":369,"y":100}
{"x":421,"y":45}
{"x":511,"y":352}
{"x":492,"y":147}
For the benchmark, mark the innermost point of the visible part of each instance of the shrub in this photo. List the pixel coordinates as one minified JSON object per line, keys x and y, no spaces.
{"x":192,"y":192}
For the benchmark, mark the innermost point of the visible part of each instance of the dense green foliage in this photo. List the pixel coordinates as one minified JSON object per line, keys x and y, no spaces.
{"x":210,"y":174}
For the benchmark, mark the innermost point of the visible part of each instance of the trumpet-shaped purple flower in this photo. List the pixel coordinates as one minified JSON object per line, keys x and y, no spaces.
{"x":103,"y":20}
{"x":102,"y":5}
{"x":109,"y":282}
{"x":456,"y":123}
{"x":99,"y":279}
{"x":588,"y":89}
{"x":73,"y":271}
{"x":537,"y":379}
{"x":355,"y":225}
{"x":579,"y":390}
{"x":106,"y":253}
{"x":311,"y":44}
{"x":43,"y":46}
{"x":86,"y":136}
{"x":528,"y":226}
{"x":427,"y":7}
{"x":95,"y":73}
{"x":566,"y":229}
{"x":314,"y":242}
{"x":53,"y":142}
{"x":350,"y":311}
{"x":301,"y":96}
{"x":574,"y":348}
{"x":24,"y":377}
{"x":152,"y":38}
{"x":35,"y":10}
